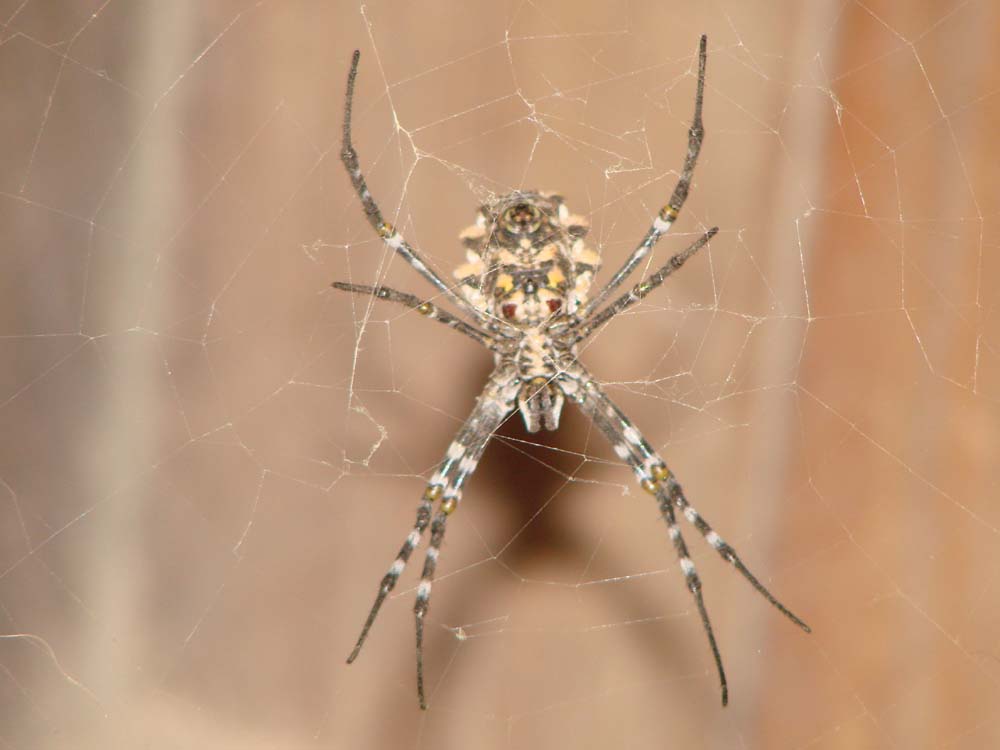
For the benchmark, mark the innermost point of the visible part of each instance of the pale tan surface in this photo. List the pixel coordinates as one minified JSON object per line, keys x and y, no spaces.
{"x":208,"y":458}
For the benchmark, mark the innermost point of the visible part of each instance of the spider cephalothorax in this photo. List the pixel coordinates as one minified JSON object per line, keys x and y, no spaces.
{"x":526,"y":289}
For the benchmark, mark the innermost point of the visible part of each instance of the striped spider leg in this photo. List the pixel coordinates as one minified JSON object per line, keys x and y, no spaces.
{"x":651,"y":471}
{"x":526,"y":288}
{"x":494,"y":405}
{"x":655,"y":478}
{"x":668,"y":214}
{"x":591,"y":323}
{"x":386,"y":231}
{"x":425,"y":308}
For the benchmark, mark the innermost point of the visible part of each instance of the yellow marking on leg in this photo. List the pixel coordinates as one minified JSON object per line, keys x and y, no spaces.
{"x":658,"y":475}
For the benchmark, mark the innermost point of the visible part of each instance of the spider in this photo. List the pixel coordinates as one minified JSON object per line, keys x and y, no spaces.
{"x":526,"y":289}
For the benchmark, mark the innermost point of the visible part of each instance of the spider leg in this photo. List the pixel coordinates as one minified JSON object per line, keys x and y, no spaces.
{"x":590,"y":324}
{"x":386,"y":231}
{"x":694,"y":585}
{"x":492,"y":408}
{"x":668,"y":214}
{"x":655,"y":478}
{"x":427,"y":309}
{"x":726,"y":552}
{"x":431,"y":494}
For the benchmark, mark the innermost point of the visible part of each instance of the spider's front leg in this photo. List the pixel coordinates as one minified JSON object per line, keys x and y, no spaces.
{"x":655,"y":478}
{"x":445,"y":488}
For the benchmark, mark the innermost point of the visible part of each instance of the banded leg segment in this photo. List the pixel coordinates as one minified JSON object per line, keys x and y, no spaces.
{"x":424,"y":596}
{"x":431,"y":494}
{"x":668,"y":214}
{"x":631,"y":446}
{"x":465,"y":452}
{"x":427,"y":309}
{"x":693,"y":582}
{"x":726,"y":552}
{"x":588,"y":325}
{"x":444,"y":489}
{"x":656,"y":478}
{"x":386,"y":231}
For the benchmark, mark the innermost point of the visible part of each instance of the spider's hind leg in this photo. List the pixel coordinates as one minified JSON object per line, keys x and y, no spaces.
{"x":668,"y":214}
{"x":388,"y":233}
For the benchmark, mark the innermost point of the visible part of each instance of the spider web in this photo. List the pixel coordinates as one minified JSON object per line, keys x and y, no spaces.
{"x":209,"y":457}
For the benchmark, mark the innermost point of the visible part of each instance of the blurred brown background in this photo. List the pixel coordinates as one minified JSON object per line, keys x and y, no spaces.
{"x":208,"y":458}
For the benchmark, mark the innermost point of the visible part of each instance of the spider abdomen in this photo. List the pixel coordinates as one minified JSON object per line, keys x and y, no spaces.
{"x":527,"y":262}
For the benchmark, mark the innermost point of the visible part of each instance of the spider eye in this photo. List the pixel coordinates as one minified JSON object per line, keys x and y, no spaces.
{"x":554,"y":305}
{"x":508,"y":310}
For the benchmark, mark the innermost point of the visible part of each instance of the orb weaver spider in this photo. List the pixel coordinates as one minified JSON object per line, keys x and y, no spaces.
{"x":526,"y":288}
